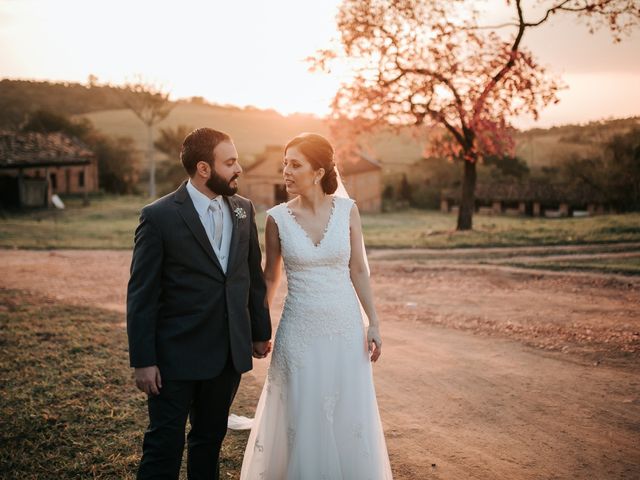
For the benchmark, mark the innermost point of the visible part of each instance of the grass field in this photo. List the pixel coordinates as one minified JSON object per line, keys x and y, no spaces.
{"x":626,"y":266}
{"x":109,"y":222}
{"x":69,"y":407}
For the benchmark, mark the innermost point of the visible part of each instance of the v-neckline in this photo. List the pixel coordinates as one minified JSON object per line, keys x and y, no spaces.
{"x":326,"y":228}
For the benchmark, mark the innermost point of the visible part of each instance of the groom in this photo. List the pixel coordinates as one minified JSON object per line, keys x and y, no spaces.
{"x":196,"y":309}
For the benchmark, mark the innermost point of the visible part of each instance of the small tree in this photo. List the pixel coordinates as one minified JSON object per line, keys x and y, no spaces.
{"x":614,"y":174}
{"x":44,"y":121}
{"x":170,"y":143}
{"x":151,"y":105}
{"x":405,"y":189}
{"x":430,"y":62}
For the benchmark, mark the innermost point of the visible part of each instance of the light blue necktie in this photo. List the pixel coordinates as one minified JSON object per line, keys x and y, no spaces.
{"x":216,"y":224}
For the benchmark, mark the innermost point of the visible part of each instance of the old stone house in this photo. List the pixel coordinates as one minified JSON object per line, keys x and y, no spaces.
{"x":34,"y":166}
{"x":529,"y":199}
{"x":262,"y":181}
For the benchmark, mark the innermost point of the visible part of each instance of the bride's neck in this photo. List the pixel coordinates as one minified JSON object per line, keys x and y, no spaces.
{"x":312,"y":200}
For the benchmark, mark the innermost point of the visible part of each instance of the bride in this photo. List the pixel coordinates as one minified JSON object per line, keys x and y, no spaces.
{"x":317,"y":417}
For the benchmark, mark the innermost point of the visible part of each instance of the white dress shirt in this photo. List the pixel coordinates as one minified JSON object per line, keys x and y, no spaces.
{"x":201,"y":202}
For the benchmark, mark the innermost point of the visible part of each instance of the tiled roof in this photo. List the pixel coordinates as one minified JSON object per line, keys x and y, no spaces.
{"x":41,"y":149}
{"x":360,"y":164}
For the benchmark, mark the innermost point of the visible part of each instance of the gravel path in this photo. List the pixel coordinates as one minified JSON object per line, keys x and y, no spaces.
{"x":487,"y":372}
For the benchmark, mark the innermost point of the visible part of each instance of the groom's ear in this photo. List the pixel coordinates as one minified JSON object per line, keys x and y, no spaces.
{"x":203,"y":168}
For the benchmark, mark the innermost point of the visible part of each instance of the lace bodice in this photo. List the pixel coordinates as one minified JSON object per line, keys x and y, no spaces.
{"x":320,"y":298}
{"x":314,"y":267}
{"x":317,"y":417}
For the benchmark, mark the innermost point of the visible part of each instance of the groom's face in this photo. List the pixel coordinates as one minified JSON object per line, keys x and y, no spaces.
{"x":225,"y":170}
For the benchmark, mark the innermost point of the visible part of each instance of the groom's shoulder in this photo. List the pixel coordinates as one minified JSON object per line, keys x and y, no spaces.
{"x":244,"y":201}
{"x":162,"y":203}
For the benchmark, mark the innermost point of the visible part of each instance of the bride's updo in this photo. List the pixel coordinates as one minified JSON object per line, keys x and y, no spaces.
{"x":319,"y":152}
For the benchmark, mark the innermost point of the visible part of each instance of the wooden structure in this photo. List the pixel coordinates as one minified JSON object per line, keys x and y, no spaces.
{"x":34,"y":166}
{"x":262,"y":181}
{"x":528,"y":198}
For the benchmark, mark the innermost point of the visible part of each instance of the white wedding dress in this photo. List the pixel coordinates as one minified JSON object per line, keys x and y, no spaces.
{"x":317,"y":417}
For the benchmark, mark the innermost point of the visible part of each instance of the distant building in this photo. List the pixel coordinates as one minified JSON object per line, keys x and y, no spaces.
{"x":528,"y":198}
{"x":262,"y":181}
{"x":34,"y":166}
{"x":362,"y":178}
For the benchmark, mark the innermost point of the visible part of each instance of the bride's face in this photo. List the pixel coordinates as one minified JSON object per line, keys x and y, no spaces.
{"x":298,"y":173}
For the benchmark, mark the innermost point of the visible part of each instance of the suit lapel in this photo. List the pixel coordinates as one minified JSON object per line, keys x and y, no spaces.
{"x":231,"y":202}
{"x":190,"y":216}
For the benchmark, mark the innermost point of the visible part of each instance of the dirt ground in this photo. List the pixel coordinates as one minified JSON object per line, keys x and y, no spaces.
{"x":487,"y":372}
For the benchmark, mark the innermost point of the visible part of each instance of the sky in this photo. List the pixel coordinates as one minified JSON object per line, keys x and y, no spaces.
{"x":251,"y":52}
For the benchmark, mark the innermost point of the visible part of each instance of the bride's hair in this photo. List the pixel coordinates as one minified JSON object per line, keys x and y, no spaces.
{"x":319,"y":152}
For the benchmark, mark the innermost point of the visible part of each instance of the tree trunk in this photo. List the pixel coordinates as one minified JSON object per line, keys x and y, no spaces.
{"x":152,"y":163}
{"x":467,"y":203}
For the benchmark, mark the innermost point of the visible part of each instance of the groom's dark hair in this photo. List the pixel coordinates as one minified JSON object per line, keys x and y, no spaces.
{"x":198,"y":147}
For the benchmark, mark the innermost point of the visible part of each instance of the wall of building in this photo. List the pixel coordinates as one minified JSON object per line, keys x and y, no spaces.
{"x":260,"y":182}
{"x":366,"y":189}
{"x":63,"y":180}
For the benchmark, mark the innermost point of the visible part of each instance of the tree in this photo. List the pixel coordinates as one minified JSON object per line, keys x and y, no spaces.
{"x":151,"y":105}
{"x":116,"y":157}
{"x":170,"y":140}
{"x":430,"y":62}
{"x":117,"y":162}
{"x":507,"y":166}
{"x":170,"y":143}
{"x":44,"y":121}
{"x":614,"y":175}
{"x":405,"y":189}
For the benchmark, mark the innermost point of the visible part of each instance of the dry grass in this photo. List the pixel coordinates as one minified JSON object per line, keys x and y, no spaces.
{"x":69,"y":408}
{"x":109,"y":222}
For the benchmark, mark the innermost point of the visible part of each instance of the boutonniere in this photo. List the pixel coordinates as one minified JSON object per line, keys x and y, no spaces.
{"x":240,"y":213}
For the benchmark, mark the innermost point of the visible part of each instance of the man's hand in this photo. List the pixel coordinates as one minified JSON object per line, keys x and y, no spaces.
{"x":261,"y":349}
{"x":148,"y":380}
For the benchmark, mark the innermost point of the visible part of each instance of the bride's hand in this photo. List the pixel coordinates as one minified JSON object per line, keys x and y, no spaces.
{"x":261,"y":349}
{"x":374,"y":339}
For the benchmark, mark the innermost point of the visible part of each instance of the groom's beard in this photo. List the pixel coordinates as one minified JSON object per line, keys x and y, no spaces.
{"x":219,"y":185}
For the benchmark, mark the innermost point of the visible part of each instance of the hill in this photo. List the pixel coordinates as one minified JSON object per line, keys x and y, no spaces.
{"x":251,"y":129}
{"x":254,"y":129}
{"x":553,"y":146}
{"x":18,"y":98}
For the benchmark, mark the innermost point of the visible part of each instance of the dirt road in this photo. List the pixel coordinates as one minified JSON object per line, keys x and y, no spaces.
{"x":487,"y":372}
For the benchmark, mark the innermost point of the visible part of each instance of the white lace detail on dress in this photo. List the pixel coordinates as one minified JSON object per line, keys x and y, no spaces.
{"x":317,"y":417}
{"x":310,"y":311}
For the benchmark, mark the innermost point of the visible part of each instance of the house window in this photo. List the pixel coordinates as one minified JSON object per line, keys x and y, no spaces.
{"x":54,"y":181}
{"x":81,"y":179}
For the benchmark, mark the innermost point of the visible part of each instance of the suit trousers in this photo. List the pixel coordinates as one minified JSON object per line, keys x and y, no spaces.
{"x":206,"y":403}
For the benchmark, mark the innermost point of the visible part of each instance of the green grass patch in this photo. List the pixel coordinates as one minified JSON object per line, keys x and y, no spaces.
{"x":69,"y":407}
{"x":624,"y":266}
{"x":109,"y":222}
{"x":429,"y":229}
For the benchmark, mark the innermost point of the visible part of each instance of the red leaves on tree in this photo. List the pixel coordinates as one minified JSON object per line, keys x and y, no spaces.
{"x":428,"y":62}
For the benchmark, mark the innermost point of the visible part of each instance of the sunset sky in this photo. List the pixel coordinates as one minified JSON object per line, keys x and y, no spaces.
{"x":250,"y":52}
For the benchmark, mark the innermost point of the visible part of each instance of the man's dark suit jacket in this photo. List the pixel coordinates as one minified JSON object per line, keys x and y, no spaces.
{"x":184,"y":313}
